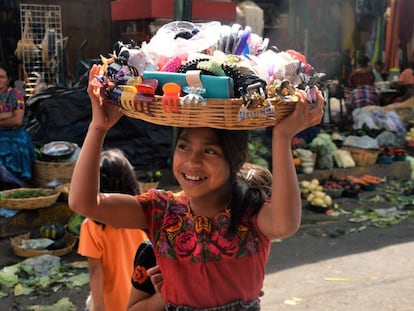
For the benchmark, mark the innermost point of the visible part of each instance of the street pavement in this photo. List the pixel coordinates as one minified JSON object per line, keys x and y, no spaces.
{"x":368,"y":270}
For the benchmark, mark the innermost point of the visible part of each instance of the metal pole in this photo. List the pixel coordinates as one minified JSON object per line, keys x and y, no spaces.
{"x":178,"y":10}
{"x":183,"y":10}
{"x":188,"y":10}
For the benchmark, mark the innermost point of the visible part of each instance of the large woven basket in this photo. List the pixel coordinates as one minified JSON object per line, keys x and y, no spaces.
{"x":363,"y":157}
{"x":145,"y":186}
{"x":29,"y":203}
{"x":45,"y":172}
{"x":17,"y":242}
{"x":215,"y":113}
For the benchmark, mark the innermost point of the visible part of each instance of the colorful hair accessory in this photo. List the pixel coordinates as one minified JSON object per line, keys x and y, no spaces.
{"x":265,"y":109}
{"x":242,"y":43}
{"x":255,"y":103}
{"x":172,"y":65}
{"x":212,"y":66}
{"x":127,"y":96}
{"x":311,"y":95}
{"x":194,"y":96}
{"x":144,"y":97}
{"x":284,"y":90}
{"x":170,"y":97}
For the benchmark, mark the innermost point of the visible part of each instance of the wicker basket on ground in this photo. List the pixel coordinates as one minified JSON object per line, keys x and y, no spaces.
{"x":45,"y":172}
{"x":363,"y":157}
{"x":48,"y":198}
{"x":17,"y":242}
{"x":145,"y":186}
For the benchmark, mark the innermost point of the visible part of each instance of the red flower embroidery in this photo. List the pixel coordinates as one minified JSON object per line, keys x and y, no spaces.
{"x":186,"y":244}
{"x":227,"y":247}
{"x":140,"y":274}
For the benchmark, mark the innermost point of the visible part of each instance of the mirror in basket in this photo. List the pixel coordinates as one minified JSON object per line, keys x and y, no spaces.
{"x":58,"y":151}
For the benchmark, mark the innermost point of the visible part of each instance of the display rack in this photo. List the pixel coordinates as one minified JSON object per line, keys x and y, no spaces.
{"x":42,"y":53}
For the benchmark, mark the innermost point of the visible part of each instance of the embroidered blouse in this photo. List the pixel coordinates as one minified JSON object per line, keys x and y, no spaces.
{"x":201,"y":264}
{"x":11,"y":100}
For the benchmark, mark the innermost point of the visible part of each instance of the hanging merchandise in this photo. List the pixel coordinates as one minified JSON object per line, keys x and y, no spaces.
{"x":377,"y":43}
{"x":42,"y":32}
{"x":26,"y":48}
{"x":406,"y":28}
{"x":391,"y":39}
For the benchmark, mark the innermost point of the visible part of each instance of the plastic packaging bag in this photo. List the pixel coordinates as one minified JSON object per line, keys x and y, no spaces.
{"x":182,"y":37}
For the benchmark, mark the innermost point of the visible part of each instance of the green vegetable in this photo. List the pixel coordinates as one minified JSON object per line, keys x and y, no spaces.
{"x":21,"y":194}
{"x":58,"y":243}
{"x":74,"y":223}
{"x":52,"y":231}
{"x":151,"y":176}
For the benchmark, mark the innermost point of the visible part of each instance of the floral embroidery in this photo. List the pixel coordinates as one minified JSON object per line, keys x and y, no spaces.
{"x":180,"y":234}
{"x":11,"y":100}
{"x":140,"y":274}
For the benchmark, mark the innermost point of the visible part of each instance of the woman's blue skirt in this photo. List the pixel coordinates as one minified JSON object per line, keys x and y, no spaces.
{"x":17,"y":152}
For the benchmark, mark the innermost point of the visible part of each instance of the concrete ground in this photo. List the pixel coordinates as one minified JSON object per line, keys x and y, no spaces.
{"x":368,"y":270}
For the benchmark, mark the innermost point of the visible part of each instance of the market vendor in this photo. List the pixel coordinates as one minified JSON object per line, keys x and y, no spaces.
{"x":362,"y":75}
{"x":364,"y":93}
{"x":16,"y":148}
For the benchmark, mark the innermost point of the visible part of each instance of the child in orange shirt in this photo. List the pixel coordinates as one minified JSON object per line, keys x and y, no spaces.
{"x":111,"y":250}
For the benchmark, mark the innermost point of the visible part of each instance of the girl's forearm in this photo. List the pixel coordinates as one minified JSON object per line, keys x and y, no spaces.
{"x":286,"y":200}
{"x":85,"y":178}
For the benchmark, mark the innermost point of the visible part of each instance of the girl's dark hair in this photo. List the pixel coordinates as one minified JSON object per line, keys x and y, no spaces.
{"x":117,"y":175}
{"x":253,"y":186}
{"x":243,"y":198}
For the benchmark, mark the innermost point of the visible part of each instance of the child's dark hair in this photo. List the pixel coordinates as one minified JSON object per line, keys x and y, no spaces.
{"x":117,"y":175}
{"x":234,"y":144}
{"x":253,"y":186}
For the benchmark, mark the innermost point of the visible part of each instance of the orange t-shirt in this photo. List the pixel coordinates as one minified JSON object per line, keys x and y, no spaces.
{"x":116,"y":248}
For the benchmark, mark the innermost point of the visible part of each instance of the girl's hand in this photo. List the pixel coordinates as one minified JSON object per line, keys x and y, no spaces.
{"x":156,"y":278}
{"x":302,"y":117}
{"x":104,"y":113}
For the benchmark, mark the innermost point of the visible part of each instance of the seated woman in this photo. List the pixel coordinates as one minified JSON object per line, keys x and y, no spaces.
{"x":364,"y":95}
{"x":362,"y":75}
{"x":16,"y":147}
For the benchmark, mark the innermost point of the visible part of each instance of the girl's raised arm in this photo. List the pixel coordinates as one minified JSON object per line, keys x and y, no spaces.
{"x":281,"y":218}
{"x":118,"y":210}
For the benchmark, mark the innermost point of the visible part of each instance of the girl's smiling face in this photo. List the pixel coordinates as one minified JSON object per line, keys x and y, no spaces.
{"x":200,"y":165}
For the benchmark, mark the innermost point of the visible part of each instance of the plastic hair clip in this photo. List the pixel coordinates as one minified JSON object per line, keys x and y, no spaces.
{"x":194,"y":96}
{"x":144,"y":97}
{"x":170,"y":97}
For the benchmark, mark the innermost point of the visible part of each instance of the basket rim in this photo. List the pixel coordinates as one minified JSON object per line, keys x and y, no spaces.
{"x":29,"y":203}
{"x":16,"y":240}
{"x":220,"y":116}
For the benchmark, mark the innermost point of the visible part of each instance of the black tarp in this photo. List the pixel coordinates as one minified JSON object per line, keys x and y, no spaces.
{"x":59,"y":113}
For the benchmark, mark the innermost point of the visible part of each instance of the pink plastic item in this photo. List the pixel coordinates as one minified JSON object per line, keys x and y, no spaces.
{"x":172,"y":65}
